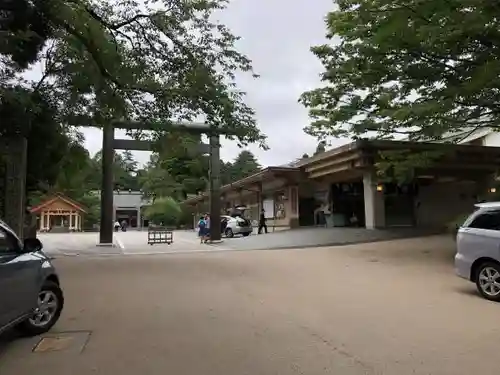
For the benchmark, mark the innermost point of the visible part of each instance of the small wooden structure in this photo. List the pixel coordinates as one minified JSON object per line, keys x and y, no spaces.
{"x":159,"y":235}
{"x":59,"y":213}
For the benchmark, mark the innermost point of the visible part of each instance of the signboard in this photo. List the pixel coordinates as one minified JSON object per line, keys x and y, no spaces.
{"x":268,"y":206}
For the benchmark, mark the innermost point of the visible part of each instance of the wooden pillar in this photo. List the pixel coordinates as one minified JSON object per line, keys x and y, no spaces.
{"x":214,"y":188}
{"x":259,"y":197}
{"x":15,"y":149}
{"x":106,"y":223}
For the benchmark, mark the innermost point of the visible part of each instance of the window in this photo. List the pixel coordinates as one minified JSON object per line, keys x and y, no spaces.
{"x":8,"y":243}
{"x":486,"y":220}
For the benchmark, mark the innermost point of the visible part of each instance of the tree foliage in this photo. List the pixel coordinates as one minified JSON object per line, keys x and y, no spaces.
{"x":160,"y":62}
{"x":25,"y":29}
{"x":164,"y":211}
{"x":176,"y":169}
{"x":422,"y":69}
{"x":244,"y":165}
{"x":125,"y":171}
{"x":34,"y":116}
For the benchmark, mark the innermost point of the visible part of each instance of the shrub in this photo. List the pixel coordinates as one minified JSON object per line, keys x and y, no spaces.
{"x":166,"y":211}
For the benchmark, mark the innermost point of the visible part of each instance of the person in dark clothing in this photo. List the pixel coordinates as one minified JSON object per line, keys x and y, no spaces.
{"x":262,"y":222}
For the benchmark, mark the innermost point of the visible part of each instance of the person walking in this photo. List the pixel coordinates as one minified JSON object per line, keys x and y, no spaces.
{"x":117,"y":226}
{"x":207,"y":228}
{"x":262,"y":222}
{"x":202,"y":229}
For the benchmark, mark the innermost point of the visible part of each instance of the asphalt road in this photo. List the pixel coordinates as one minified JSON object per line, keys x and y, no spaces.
{"x":387,"y":308}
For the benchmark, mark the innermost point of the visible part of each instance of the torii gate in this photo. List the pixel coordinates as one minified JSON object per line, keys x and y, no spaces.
{"x":15,"y":173}
{"x":109,"y":144}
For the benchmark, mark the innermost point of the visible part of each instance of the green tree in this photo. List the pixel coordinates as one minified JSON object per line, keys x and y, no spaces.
{"x":244,"y":165}
{"x":157,"y":182}
{"x":160,"y":61}
{"x":129,"y":162}
{"x":25,"y":29}
{"x":176,"y":169}
{"x":422,"y":69}
{"x":31,"y":114}
{"x":76,"y":172}
{"x":92,"y":204}
{"x":124,"y":171}
{"x":165,"y":211}
{"x":225,"y":172}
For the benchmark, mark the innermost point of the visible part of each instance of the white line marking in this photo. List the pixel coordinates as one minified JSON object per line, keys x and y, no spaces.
{"x":119,"y":243}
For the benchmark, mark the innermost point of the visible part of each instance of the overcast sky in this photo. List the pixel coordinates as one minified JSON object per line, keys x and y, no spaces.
{"x":277,"y":36}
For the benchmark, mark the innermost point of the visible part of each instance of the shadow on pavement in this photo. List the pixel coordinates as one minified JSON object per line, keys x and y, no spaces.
{"x":8,"y":338}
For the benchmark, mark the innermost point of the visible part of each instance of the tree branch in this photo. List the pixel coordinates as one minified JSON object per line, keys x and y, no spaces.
{"x":48,"y":68}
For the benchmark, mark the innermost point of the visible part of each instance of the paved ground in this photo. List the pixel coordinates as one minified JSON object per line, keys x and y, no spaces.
{"x":391,"y":308}
{"x":310,"y":237}
{"x":135,"y":242}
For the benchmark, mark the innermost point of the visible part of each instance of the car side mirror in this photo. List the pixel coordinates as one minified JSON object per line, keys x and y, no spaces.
{"x":31,"y":245}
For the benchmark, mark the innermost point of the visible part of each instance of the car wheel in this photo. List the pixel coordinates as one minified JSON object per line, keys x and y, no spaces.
{"x":488,"y":281}
{"x":246,"y":234}
{"x":48,"y":311}
{"x":229,"y":233}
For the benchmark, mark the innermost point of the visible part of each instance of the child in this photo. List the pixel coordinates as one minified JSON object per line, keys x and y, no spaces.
{"x":202,"y":229}
{"x":207,"y":228}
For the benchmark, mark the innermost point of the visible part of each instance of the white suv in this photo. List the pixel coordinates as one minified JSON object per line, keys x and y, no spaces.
{"x":478,"y":250}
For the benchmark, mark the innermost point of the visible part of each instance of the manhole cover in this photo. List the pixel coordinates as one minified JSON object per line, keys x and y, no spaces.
{"x":53,"y":344}
{"x":68,"y":342}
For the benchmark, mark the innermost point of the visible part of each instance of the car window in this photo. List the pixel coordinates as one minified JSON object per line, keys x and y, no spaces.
{"x":486,"y":220}
{"x":8,"y":244}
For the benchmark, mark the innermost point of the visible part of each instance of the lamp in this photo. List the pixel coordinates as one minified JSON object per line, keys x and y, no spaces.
{"x":493,"y":190}
{"x":380,"y":187}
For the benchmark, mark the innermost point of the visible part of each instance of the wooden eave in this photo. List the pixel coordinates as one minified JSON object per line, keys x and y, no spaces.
{"x":364,"y":154}
{"x":250,"y":182}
